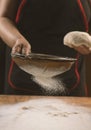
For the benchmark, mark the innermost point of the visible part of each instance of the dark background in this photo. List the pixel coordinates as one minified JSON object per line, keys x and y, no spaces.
{"x":2,"y":67}
{"x":88,"y":73}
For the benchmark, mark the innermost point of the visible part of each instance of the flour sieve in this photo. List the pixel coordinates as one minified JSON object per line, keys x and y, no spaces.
{"x":42,"y":64}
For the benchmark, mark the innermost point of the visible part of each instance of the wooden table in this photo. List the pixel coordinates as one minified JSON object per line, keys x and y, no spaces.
{"x":45,"y":113}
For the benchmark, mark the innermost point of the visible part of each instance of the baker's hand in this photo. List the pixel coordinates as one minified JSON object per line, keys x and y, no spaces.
{"x":82,"y":49}
{"x":21,"y":46}
{"x":80,"y":41}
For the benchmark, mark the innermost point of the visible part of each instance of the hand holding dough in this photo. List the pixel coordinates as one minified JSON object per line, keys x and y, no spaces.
{"x":77,"y":38}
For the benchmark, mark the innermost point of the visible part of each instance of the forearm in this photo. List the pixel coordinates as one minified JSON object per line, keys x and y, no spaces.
{"x":8,"y":32}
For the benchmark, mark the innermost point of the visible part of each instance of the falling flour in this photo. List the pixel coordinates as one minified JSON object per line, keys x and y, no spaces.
{"x":46,"y":78}
{"x":50,"y":85}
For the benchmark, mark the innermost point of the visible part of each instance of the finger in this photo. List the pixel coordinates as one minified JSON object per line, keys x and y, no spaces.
{"x":16,"y":49}
{"x":90,"y":49}
{"x":23,"y":50}
{"x":26,"y":50}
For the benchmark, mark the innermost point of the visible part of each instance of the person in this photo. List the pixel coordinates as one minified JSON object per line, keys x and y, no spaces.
{"x":39,"y":26}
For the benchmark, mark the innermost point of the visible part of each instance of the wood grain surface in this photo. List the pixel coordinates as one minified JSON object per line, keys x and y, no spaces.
{"x":45,"y":113}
